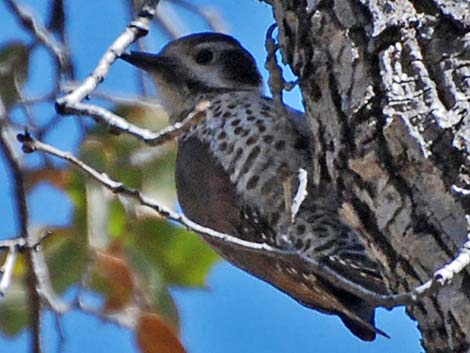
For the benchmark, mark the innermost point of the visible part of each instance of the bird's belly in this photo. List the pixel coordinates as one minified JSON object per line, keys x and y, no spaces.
{"x":291,"y":278}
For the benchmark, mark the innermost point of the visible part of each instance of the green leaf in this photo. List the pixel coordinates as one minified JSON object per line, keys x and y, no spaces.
{"x":182,"y":257}
{"x":161,"y":254}
{"x":95,"y":152}
{"x":14,"y":70}
{"x":117,"y":219}
{"x":76,"y":193}
{"x":151,"y":278}
{"x":66,"y":258}
{"x":153,"y":119}
{"x":14,"y":311}
{"x":158,"y":179}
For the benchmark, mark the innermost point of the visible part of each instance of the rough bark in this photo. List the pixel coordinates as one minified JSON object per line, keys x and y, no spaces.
{"x":386,"y":86}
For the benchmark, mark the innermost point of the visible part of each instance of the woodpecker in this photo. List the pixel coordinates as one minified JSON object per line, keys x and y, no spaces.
{"x":232,"y":171}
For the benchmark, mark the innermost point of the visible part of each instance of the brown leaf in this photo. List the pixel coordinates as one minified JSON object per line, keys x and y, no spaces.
{"x":155,"y":336}
{"x":58,"y":178}
{"x":118,"y":276}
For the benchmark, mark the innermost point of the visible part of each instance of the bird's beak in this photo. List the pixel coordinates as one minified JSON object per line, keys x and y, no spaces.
{"x":146,"y":61}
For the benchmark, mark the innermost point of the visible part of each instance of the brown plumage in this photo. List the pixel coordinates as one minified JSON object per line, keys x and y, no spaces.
{"x":232,"y":169}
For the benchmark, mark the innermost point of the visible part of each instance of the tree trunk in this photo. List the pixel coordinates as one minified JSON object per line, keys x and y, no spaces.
{"x":386,"y":86}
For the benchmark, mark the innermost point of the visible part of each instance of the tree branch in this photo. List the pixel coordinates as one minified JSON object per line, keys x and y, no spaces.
{"x":139,"y":101}
{"x":21,"y":243}
{"x":22,"y":212}
{"x":6,"y":270}
{"x":211,"y":17}
{"x":276,"y":81}
{"x":59,"y":52}
{"x":119,"y":124}
{"x":136,"y":29}
{"x":387,"y":301}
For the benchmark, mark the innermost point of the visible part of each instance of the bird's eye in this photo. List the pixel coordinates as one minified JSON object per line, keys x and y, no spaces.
{"x":204,"y":56}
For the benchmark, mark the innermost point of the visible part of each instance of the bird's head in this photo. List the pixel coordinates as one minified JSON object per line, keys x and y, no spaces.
{"x":198,"y":64}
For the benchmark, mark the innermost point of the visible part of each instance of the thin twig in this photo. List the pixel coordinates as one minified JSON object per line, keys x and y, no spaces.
{"x":138,"y":101}
{"x":143,"y":82}
{"x":457,"y":265}
{"x":30,"y":145}
{"x":210,"y":16}
{"x":122,"y":318}
{"x":60,"y":332}
{"x":43,"y":287}
{"x":136,"y":29}
{"x":57,"y":19}
{"x":37,"y":100}
{"x":59,"y":53}
{"x":26,"y":107}
{"x":12,"y":243}
{"x":275,"y":80}
{"x":168,"y":22}
{"x":143,"y":100}
{"x":14,"y":165}
{"x":21,"y":243}
{"x":119,"y":124}
{"x":6,"y":270}
{"x":387,"y":301}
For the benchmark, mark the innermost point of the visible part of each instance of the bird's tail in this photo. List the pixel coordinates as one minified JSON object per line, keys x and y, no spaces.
{"x":365,"y":328}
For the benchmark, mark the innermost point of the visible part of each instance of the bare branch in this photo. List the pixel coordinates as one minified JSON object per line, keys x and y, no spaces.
{"x":12,"y":243}
{"x":120,"y":124}
{"x":30,"y":145}
{"x":43,"y":287}
{"x":194,"y":118}
{"x":169,"y":22}
{"x":42,"y":35}
{"x":37,"y":100}
{"x":143,"y":81}
{"x":125,"y":318}
{"x":457,"y":265}
{"x":22,"y":212}
{"x":139,"y":101}
{"x":275,"y":81}
{"x":57,"y":19}
{"x":21,"y":243}
{"x":136,"y":29}
{"x":210,"y":16}
{"x":60,"y":332}
{"x":6,"y":270}
{"x":387,"y":301}
{"x":25,"y":106}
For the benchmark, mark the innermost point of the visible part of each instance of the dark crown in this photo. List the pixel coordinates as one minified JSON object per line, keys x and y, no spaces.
{"x":221,"y":54}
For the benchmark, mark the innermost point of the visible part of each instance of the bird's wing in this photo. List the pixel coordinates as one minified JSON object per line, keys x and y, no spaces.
{"x":349,"y":257}
{"x":208,"y":197}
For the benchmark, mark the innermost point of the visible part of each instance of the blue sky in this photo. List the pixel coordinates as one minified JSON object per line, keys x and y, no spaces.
{"x":237,"y":313}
